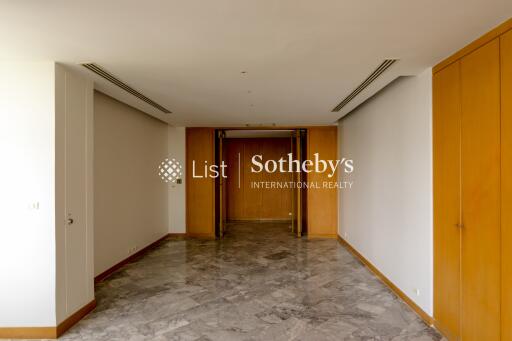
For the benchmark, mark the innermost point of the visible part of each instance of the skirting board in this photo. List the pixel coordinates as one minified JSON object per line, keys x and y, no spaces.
{"x":102,"y":276}
{"x":28,"y":333}
{"x":321,"y":236}
{"x":47,"y":332}
{"x":73,"y":319}
{"x":424,"y":316}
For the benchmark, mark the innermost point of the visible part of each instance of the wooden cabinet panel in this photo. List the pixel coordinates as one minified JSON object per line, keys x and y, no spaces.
{"x":480,"y":146}
{"x":245,"y":202}
{"x":446,"y":135}
{"x":506,"y":185}
{"x":486,"y":187}
{"x":200,"y":146}
{"x":322,"y":203}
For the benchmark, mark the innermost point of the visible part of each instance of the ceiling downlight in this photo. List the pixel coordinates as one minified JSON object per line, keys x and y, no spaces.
{"x":372,"y":77}
{"x":114,"y":80}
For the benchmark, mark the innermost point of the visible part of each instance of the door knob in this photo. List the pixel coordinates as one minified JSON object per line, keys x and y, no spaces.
{"x":69,"y":221}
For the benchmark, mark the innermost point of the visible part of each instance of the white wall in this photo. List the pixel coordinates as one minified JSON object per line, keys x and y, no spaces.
{"x":130,"y":200}
{"x":27,"y":233}
{"x":177,"y":209}
{"x":387,"y":215}
{"x":33,"y":103}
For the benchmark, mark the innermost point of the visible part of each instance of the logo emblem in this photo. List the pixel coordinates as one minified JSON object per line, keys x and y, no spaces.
{"x":170,"y":170}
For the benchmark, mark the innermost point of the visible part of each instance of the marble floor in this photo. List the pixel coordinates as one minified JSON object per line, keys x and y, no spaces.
{"x":259,"y":283}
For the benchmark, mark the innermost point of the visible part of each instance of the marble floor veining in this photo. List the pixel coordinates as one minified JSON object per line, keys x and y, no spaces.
{"x":259,"y":283}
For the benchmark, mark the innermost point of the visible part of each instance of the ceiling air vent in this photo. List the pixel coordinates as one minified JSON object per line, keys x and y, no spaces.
{"x":112,"y":79}
{"x":378,"y":71}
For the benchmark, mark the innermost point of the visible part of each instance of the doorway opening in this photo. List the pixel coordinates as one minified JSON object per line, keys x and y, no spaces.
{"x":262,"y":188}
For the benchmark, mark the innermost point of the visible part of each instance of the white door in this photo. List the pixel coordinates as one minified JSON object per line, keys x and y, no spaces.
{"x":77,"y":187}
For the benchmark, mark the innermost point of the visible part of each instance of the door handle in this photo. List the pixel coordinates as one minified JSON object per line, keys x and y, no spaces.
{"x":69,"y":221}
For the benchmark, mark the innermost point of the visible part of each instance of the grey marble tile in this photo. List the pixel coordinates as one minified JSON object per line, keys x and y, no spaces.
{"x":258,"y":283}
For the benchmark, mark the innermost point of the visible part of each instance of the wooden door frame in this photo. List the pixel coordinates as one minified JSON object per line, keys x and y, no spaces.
{"x":304,"y":144}
{"x":210,"y":234}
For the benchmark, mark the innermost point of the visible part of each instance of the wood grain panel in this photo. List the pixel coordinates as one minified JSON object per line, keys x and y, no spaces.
{"x":234,"y":192}
{"x":222,"y":184}
{"x":446,"y":148}
{"x":480,"y":145}
{"x":277,"y":202}
{"x":245,"y":202}
{"x":200,"y":146}
{"x":253,"y":198}
{"x":506,"y":186}
{"x":489,"y":36}
{"x":322,"y":203}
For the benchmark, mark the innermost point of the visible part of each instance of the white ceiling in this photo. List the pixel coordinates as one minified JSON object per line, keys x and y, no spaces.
{"x":302,"y":57}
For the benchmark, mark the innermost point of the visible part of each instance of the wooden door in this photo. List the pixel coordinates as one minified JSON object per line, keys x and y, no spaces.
{"x":293,"y":197}
{"x":276,"y":202}
{"x":245,"y":200}
{"x":322,"y":203}
{"x":200,"y":191}
{"x":480,"y":146}
{"x":506,"y":186}
{"x":299,"y":178}
{"x":234,"y":189}
{"x":447,"y":204}
{"x":252,"y":197}
{"x":221,"y":181}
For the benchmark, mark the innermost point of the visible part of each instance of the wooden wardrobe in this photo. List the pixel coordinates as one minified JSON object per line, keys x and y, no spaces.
{"x":472,"y":132}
